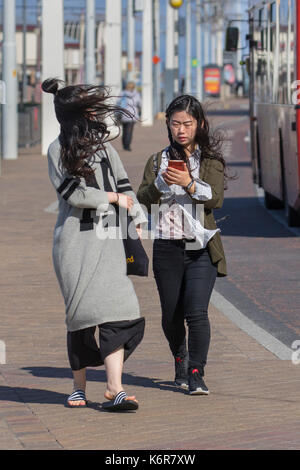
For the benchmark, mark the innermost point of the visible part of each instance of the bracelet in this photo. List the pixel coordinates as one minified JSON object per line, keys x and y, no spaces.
{"x":188,"y":187}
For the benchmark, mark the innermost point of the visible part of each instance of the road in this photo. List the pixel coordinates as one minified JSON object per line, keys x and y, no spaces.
{"x":263,"y":252}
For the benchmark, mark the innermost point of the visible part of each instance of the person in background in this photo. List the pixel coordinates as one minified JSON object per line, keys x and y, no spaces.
{"x":130,"y":100}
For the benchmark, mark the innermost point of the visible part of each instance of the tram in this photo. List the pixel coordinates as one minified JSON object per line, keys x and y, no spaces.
{"x":274,"y":68}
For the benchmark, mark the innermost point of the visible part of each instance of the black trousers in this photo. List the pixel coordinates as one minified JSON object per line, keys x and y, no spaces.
{"x":185,"y":279}
{"x":127,"y":134}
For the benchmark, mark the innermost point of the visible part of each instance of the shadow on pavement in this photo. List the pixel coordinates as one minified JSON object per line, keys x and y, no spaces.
{"x":33,"y":395}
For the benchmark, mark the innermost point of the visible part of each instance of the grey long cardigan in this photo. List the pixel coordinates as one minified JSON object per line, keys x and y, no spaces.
{"x":91,"y":271}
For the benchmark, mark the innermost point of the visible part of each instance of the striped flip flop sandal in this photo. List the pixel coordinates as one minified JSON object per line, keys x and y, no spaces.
{"x":77,"y":395}
{"x":119,"y":403}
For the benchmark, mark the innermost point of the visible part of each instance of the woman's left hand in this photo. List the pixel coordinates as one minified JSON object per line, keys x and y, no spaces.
{"x":179,"y":177}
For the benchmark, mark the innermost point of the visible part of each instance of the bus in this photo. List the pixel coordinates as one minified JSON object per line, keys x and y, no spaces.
{"x":274,"y":68}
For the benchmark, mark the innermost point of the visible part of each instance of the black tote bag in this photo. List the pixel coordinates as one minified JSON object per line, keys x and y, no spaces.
{"x":136,"y":257}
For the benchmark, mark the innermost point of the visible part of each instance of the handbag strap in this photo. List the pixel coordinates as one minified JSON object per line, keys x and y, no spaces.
{"x":111,"y":169}
{"x":129,"y":218}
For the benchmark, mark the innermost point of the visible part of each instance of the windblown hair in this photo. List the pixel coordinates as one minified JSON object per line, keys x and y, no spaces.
{"x":82,"y":111}
{"x":210,"y":143}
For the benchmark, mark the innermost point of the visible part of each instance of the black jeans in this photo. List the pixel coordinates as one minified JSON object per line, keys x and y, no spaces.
{"x":185,"y":279}
{"x":127,"y":134}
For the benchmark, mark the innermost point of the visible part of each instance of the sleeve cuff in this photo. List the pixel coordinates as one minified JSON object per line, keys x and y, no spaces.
{"x":102,"y":207}
{"x":138,"y":215}
{"x":161,"y":185}
{"x":203,"y":191}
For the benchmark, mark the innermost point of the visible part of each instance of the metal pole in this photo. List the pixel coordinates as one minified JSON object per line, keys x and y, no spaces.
{"x":188,"y":49}
{"x":130,"y":42}
{"x":220,"y":26}
{"x":213,"y":31}
{"x":24,"y":81}
{"x":10,"y":78}
{"x":39,"y":44}
{"x":170,"y":65}
{"x":100,"y":50}
{"x":53,"y":64}
{"x":206,"y":34}
{"x":147,"y":80}
{"x":213,"y":43}
{"x":90,"y":61}
{"x":113,"y":51}
{"x":239,"y":70}
{"x":176,"y":52}
{"x":199,"y":89}
{"x":81,"y":47}
{"x":220,"y":43}
{"x":157,"y":67}
{"x":113,"y":55}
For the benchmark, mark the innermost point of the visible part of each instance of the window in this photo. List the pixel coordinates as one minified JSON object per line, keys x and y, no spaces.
{"x":260,"y":30}
{"x":292,"y":47}
{"x":273,"y":54}
{"x":283,"y":69}
{"x":272,"y":27}
{"x":273,"y":12}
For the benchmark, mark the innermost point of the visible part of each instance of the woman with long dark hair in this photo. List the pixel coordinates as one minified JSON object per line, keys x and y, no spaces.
{"x":92,"y":186}
{"x":186,"y":181}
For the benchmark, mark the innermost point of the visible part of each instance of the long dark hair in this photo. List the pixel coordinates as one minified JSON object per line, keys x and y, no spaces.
{"x":82,"y":111}
{"x":210,"y":143}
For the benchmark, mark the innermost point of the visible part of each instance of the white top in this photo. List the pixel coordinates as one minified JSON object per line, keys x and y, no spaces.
{"x":179,"y":216}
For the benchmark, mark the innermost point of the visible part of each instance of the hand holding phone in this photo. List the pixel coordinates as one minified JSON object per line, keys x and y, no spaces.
{"x":177,"y":173}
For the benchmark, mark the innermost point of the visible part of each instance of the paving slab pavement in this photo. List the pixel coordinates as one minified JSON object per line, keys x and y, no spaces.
{"x":254,"y":400}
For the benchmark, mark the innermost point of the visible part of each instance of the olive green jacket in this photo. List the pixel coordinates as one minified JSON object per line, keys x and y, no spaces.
{"x":211,"y":172}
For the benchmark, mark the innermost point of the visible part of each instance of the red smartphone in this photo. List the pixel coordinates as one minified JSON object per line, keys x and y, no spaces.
{"x":177,"y":164}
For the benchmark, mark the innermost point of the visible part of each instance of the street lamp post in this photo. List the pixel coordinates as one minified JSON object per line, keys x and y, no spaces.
{"x":24,"y":78}
{"x":53,"y":64}
{"x":113,"y":51}
{"x":130,"y":42}
{"x":147,"y":84}
{"x":170,"y":66}
{"x":188,"y":52}
{"x":199,"y":89}
{"x":157,"y":66}
{"x":176,"y":53}
{"x":10,"y":78}
{"x":90,"y":62}
{"x":206,"y":34}
{"x":172,"y":59}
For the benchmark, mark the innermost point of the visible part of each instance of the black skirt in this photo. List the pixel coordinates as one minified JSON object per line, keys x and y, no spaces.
{"x":83,"y":350}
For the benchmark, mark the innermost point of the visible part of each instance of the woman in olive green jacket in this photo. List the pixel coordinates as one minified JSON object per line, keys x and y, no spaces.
{"x":187,"y":254}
